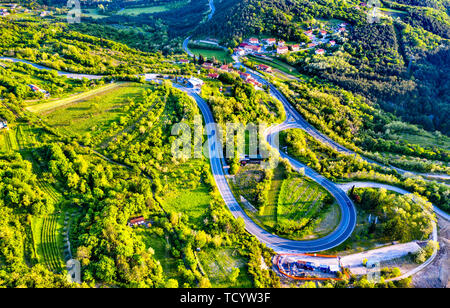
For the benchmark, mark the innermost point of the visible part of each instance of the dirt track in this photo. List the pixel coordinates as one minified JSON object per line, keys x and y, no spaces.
{"x":436,"y":275}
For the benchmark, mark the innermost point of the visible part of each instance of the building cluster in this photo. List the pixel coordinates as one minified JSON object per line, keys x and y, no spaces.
{"x":13,"y":8}
{"x":273,"y":46}
{"x":249,"y":79}
{"x":228,"y":69}
{"x":264,"y":68}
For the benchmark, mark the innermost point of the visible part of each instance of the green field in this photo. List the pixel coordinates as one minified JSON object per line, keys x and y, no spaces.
{"x":134,"y":11}
{"x":162,"y":247}
{"x":48,"y":241}
{"x":192,"y":200}
{"x":296,"y":207}
{"x":218,"y":265}
{"x":193,"y":203}
{"x":301,"y":206}
{"x":8,"y":141}
{"x":95,"y":112}
{"x":277,"y":64}
{"x":18,"y":137}
{"x":268,"y":214}
{"x":58,"y":103}
{"x":425,"y":138}
{"x":220,"y":55}
{"x":392,"y":12}
{"x":93,"y":13}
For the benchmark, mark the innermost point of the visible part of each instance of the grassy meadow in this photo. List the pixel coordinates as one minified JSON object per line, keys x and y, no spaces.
{"x":92,"y":113}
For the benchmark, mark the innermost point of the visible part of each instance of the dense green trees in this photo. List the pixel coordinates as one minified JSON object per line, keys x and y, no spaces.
{"x":404,"y":218}
{"x":323,"y":159}
{"x":236,"y":20}
{"x":18,"y":187}
{"x":56,"y":46}
{"x":240,"y":102}
{"x":20,"y":197}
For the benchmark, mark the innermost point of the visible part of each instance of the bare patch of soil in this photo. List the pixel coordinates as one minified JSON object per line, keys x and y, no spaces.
{"x":436,"y":275}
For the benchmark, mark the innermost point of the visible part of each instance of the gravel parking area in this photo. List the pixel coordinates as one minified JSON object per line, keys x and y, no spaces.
{"x":354,"y":261}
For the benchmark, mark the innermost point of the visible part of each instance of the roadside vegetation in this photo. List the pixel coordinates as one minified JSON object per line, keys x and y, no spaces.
{"x":82,"y":158}
{"x":285,"y":202}
{"x":137,"y":177}
{"x":385,"y":217}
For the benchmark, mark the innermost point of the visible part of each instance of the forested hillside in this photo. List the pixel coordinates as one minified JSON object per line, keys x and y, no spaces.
{"x":88,"y":116}
{"x":400,"y":63}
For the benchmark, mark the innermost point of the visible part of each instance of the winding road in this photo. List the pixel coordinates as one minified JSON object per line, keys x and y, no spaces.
{"x":278,"y":244}
{"x":60,"y":73}
{"x":294,"y":120}
{"x":434,"y":235}
{"x":210,"y":16}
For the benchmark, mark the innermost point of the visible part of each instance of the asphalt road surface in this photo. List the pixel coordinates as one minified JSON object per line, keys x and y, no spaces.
{"x":295,"y":120}
{"x":60,"y":73}
{"x":280,"y":245}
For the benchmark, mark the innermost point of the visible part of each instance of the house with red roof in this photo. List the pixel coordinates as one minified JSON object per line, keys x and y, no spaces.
{"x":311,"y":45}
{"x":282,"y":50}
{"x":244,"y":76}
{"x":270,"y":41}
{"x":253,"y":48}
{"x":139,"y":221}
{"x":320,"y":51}
{"x":253,"y":40}
{"x":184,"y":61}
{"x":264,"y":68}
{"x":208,"y":65}
{"x":295,"y":48}
{"x":254,"y":82}
{"x":225,"y":68}
{"x":332,"y":43}
{"x":213,"y":76}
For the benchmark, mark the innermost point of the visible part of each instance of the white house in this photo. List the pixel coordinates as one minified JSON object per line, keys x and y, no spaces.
{"x":196,"y":82}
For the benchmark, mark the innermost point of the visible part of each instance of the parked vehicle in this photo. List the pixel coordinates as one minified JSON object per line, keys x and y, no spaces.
{"x":310,"y":266}
{"x":324,"y":268}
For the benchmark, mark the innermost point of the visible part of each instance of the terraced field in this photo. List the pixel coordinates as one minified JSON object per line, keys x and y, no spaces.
{"x":50,"y":191}
{"x":17,"y":138}
{"x":300,"y":204}
{"x":8,"y":141}
{"x":47,"y":239}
